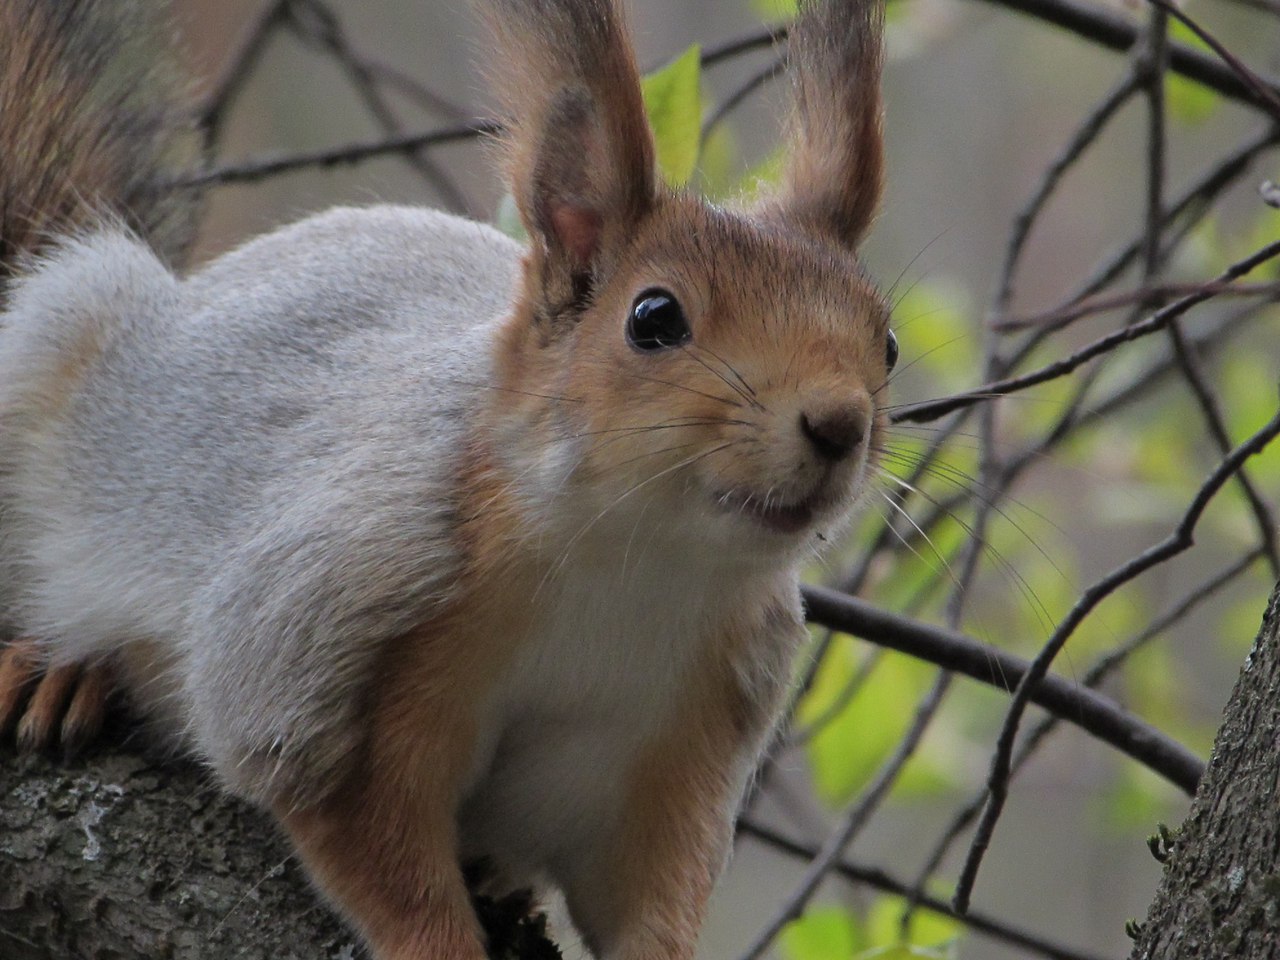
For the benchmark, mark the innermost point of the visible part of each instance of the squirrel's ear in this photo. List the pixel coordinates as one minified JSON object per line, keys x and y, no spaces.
{"x":579,"y":151}
{"x":833,"y":182}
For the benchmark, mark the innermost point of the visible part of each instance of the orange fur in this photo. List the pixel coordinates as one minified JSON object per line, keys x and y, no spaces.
{"x":674,"y":828}
{"x":385,"y":846}
{"x":597,"y":464}
{"x":19,"y":670}
{"x":43,"y":718}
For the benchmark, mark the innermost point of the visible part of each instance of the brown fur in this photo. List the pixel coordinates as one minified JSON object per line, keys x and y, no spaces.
{"x":90,"y":115}
{"x":19,"y":670}
{"x":836,"y":169}
{"x":43,"y":718}
{"x":385,"y":846}
{"x":579,"y":154}
{"x":786,"y":330}
{"x":674,"y":835}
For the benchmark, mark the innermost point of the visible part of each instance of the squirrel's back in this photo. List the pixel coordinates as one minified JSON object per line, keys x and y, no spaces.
{"x":205,"y":416}
{"x":186,"y":461}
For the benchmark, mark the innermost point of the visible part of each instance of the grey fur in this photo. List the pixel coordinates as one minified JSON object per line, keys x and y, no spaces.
{"x":248,"y":468}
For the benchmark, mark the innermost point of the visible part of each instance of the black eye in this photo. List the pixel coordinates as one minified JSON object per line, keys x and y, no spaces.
{"x":890,"y":351}
{"x":657,"y":322}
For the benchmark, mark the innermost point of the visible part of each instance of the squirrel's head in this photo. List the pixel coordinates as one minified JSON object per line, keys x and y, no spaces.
{"x":669,"y":364}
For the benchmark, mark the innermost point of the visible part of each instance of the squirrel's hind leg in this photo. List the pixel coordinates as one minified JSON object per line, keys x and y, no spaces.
{"x":61,"y":706}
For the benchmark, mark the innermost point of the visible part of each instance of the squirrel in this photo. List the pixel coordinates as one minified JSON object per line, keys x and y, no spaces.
{"x":441,"y":548}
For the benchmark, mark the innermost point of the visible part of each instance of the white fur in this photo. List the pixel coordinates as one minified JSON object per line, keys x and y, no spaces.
{"x":246,"y":485}
{"x":250,"y":469}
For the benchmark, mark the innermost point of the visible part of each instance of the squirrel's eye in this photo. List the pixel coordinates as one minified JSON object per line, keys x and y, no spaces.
{"x":890,"y":351}
{"x":657,"y":322}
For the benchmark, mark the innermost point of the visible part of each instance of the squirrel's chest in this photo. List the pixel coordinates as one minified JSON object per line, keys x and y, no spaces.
{"x":601,"y":669}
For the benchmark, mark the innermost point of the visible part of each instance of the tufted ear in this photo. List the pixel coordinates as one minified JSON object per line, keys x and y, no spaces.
{"x":833,"y":182}
{"x":579,"y":151}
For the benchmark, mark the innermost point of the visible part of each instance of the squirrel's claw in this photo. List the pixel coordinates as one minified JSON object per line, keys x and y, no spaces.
{"x":87,"y":711}
{"x":18,"y":673}
{"x":63,"y":706}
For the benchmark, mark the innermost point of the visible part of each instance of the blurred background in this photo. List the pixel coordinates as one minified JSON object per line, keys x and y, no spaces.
{"x":979,"y":100}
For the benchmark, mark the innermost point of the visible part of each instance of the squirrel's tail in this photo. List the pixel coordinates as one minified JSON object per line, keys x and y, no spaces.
{"x":92,"y":123}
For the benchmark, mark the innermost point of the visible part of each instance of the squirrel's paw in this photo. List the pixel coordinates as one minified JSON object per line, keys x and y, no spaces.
{"x":63,"y":706}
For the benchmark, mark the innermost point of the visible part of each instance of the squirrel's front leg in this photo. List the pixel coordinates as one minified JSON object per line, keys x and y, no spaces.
{"x":387,"y":856}
{"x":641,"y":893}
{"x":384,"y":848}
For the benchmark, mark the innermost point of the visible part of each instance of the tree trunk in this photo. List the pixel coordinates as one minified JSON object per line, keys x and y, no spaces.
{"x":120,"y":858}
{"x":1220,"y":894}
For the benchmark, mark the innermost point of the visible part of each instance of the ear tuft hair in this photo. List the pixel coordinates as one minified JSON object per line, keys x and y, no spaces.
{"x":580,"y":157}
{"x":834,"y":180}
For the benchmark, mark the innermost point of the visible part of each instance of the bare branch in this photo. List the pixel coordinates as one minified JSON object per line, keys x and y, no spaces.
{"x":854,"y":820}
{"x":1118,"y":33}
{"x":1090,"y":711}
{"x":881,"y":880}
{"x":933,"y":409}
{"x":1175,"y":543}
{"x":239,"y":67}
{"x":1065,"y":316}
{"x":1266,"y":92}
{"x":253,"y":170}
{"x":1092,"y":678}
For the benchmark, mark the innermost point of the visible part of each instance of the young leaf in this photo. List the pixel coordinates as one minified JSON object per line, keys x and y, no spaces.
{"x":507,"y":219}
{"x":823,"y":933}
{"x":775,"y":9}
{"x":927,"y":930}
{"x":674,"y":103}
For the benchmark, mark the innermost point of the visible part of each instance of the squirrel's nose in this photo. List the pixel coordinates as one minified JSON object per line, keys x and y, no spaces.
{"x":834,"y":433}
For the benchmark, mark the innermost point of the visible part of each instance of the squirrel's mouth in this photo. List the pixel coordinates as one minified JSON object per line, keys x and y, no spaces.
{"x":769,"y":512}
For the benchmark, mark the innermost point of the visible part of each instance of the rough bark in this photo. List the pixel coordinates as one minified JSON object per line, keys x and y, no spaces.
{"x":1219,"y":898}
{"x":121,"y":858}
{"x":118,"y":857}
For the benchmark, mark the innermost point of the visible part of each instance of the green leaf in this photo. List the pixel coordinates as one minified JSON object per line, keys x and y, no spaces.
{"x":1238,"y":624}
{"x":1189,"y":101}
{"x":1248,"y":386}
{"x":764,"y":176}
{"x":856,"y":737}
{"x":932,"y":321}
{"x":903,"y":951}
{"x":508,"y":219}
{"x":823,"y":933}
{"x":674,"y":103}
{"x":1135,"y":800}
{"x":775,"y":9}
{"x":926,"y":929}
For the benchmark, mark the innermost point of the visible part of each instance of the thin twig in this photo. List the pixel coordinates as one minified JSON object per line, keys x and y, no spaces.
{"x":1266,"y":92}
{"x":1092,"y":712}
{"x":1092,"y":678}
{"x":933,"y":409}
{"x":883,"y":881}
{"x":1116,"y":32}
{"x":854,"y":819}
{"x":1086,"y":133}
{"x":322,"y":28}
{"x":1065,"y":316}
{"x":238,"y":68}
{"x":253,"y":170}
{"x":1179,"y":540}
